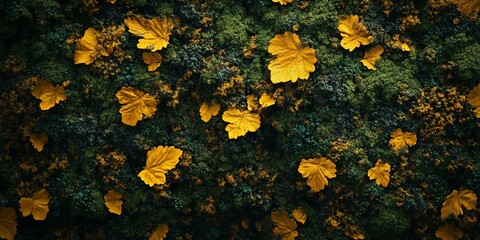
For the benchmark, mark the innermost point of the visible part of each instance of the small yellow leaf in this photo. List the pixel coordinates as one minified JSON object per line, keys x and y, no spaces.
{"x":299,"y":215}
{"x":317,"y":171}
{"x":355,"y":233}
{"x":266,"y":100}
{"x":399,"y":139}
{"x":8,"y":224}
{"x":354,"y":33}
{"x":372,"y":56}
{"x":405,"y":47}
{"x":474,"y":99}
{"x":159,"y":161}
{"x":293,"y":62}
{"x":49,"y":94}
{"x":283,"y":2}
{"x":449,"y":232}
{"x":381,"y":173}
{"x":284,"y":225}
{"x":207,"y":112}
{"x":137,"y":105}
{"x":39,"y":140}
{"x":86,"y":47}
{"x":159,"y":233}
{"x":252,"y":103}
{"x":240,"y":122}
{"x":113,"y":202}
{"x":456,"y":201}
{"x":155,"y":33}
{"x":37,"y":205}
{"x":152,"y":59}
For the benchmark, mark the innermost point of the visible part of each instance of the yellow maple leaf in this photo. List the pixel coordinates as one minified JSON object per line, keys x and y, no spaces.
{"x":252,"y":104}
{"x":372,"y":56}
{"x":456,"y":201}
{"x":474,"y":99}
{"x":152,"y":59}
{"x":37,"y":205}
{"x":284,"y":225}
{"x":266,"y":100}
{"x":467,"y":7}
{"x":354,"y":33}
{"x":155,"y":32}
{"x":449,"y":232}
{"x":159,"y":233}
{"x":39,"y":140}
{"x":159,"y":161}
{"x":317,"y":171}
{"x":207,"y":112}
{"x":137,"y":105}
{"x":8,"y":224}
{"x":283,"y":2}
{"x":399,"y":139}
{"x":86,"y":47}
{"x":299,"y":215}
{"x":293,"y":62}
{"x":49,"y":94}
{"x":113,"y":201}
{"x":381,"y":173}
{"x":240,"y":122}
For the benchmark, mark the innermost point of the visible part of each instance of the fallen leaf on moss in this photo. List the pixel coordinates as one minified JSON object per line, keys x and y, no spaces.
{"x":113,"y":201}
{"x":86,"y":47}
{"x":240,"y":122}
{"x":159,"y":161}
{"x":283,"y":2}
{"x":155,"y":32}
{"x":354,"y":33}
{"x":449,"y":232}
{"x":137,"y":105}
{"x":8,"y":224}
{"x":456,"y":201}
{"x":284,"y":225}
{"x":299,"y":215}
{"x":400,"y":140}
{"x":317,"y":171}
{"x":266,"y":100}
{"x":49,"y":94}
{"x":467,"y":7}
{"x":39,"y":140}
{"x":159,"y":233}
{"x":207,"y":112}
{"x":152,"y":59}
{"x":381,"y":173}
{"x":37,"y":205}
{"x":252,"y":104}
{"x":474,"y":99}
{"x":371,"y":57}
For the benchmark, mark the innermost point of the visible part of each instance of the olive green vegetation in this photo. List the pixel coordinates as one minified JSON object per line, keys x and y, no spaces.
{"x":344,"y":112}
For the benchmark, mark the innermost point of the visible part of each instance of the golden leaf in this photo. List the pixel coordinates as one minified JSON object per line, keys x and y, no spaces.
{"x":283,"y":2}
{"x":355,"y":233}
{"x":449,"y":232}
{"x":252,"y":103}
{"x":266,"y":100}
{"x":155,"y":33}
{"x":207,"y":112}
{"x":159,"y":233}
{"x":354,"y":33}
{"x":49,"y":94}
{"x":39,"y":140}
{"x":372,"y":56}
{"x":467,"y":7}
{"x":159,"y":161}
{"x":284,"y":225}
{"x":37,"y":205}
{"x":152,"y":59}
{"x":293,"y":62}
{"x":240,"y":122}
{"x":113,"y":202}
{"x":317,"y":170}
{"x":86,"y":47}
{"x":456,"y":201}
{"x":8,"y":225}
{"x":474,"y":99}
{"x":381,"y":173}
{"x":405,"y":47}
{"x":399,"y":139}
{"x":299,"y":215}
{"x":137,"y":105}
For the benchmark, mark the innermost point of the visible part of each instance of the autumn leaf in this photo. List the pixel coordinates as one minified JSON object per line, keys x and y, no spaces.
{"x":467,"y":7}
{"x":293,"y":62}
{"x":49,"y":94}
{"x":400,"y":140}
{"x":456,"y":201}
{"x":354,"y":33}
{"x":266,"y":100}
{"x":152,"y":59}
{"x":240,"y":122}
{"x":317,"y":171}
{"x":159,"y":233}
{"x":137,"y":105}
{"x":113,"y":202}
{"x":372,"y":56}
{"x":8,"y":224}
{"x":209,"y":111}
{"x":37,"y":205}
{"x":299,"y":215}
{"x":284,"y":225}
{"x":449,"y":232}
{"x":283,"y":2}
{"x":381,"y":173}
{"x":86,"y":47}
{"x":159,"y":161}
{"x":474,"y":99}
{"x":39,"y":140}
{"x":155,"y":32}
{"x":252,"y":104}
{"x":355,"y":233}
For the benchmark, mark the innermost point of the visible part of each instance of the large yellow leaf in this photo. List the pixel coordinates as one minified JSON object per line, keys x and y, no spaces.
{"x":354,"y":33}
{"x":209,"y":111}
{"x":317,"y":171}
{"x":8,"y":225}
{"x":37,"y":205}
{"x":137,"y":105}
{"x":240,"y":122}
{"x":152,"y":59}
{"x":155,"y":33}
{"x":456,"y":201}
{"x":159,"y":161}
{"x":299,"y":215}
{"x":467,"y":7}
{"x":371,"y":57}
{"x":293,"y":62}
{"x":399,"y":139}
{"x":113,"y":201}
{"x":159,"y":233}
{"x":283,"y":2}
{"x":474,"y":99}
{"x":86,"y":47}
{"x":381,"y":173}
{"x":49,"y":94}
{"x":39,"y":140}
{"x":284,"y":225}
{"x":449,"y":232}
